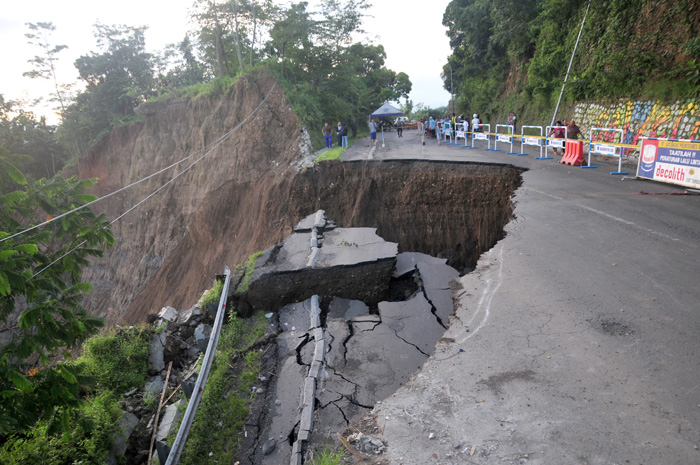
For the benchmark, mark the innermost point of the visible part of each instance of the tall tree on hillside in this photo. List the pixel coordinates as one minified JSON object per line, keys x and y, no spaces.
{"x":117,"y":79}
{"x":43,"y":65}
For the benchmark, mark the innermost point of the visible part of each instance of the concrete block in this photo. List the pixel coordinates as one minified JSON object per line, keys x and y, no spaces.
{"x":171,"y":417}
{"x":320,"y":219}
{"x":315,"y":369}
{"x":319,"y":351}
{"x":296,"y":453}
{"x":318,"y":334}
{"x":307,"y":419}
{"x":309,"y":391}
{"x":169,"y":314}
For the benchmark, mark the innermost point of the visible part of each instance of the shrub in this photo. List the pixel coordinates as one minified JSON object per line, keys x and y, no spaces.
{"x":118,"y":361}
{"x":88,"y":442}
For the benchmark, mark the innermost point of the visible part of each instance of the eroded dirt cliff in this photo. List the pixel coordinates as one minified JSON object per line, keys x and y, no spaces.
{"x":246,"y":195}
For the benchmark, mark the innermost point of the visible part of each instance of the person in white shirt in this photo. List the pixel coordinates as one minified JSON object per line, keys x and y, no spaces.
{"x":475,"y":123}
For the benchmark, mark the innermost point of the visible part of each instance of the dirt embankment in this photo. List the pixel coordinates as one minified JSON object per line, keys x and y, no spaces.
{"x":246,"y":196}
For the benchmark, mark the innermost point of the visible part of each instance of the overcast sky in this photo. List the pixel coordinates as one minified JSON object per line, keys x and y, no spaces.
{"x":413,"y":37}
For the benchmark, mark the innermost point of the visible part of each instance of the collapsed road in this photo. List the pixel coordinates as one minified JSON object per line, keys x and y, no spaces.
{"x":358,"y":320}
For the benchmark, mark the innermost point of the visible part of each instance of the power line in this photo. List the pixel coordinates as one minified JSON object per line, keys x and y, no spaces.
{"x":213,"y":144}
{"x":211,"y":147}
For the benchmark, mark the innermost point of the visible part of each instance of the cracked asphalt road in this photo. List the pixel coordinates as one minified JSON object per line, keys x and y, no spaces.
{"x":577,"y":338}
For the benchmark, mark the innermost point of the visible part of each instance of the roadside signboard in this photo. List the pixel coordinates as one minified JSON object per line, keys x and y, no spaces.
{"x":671,"y":161}
{"x":504,"y":138}
{"x":480,"y":135}
{"x":532,"y":141}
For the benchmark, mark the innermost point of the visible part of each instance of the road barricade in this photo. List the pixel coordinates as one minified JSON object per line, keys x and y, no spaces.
{"x":606,"y":148}
{"x":506,"y":138}
{"x":574,"y":153}
{"x":484,"y":135}
{"x":530,"y":140}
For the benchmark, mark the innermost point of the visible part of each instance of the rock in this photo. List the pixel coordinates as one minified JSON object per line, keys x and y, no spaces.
{"x":126,"y":427}
{"x":186,"y":316}
{"x":269,"y":446}
{"x":168,"y":314}
{"x":171,"y":417}
{"x":201,"y":336}
{"x":155,"y":354}
{"x":171,"y":349}
{"x":154,"y":386}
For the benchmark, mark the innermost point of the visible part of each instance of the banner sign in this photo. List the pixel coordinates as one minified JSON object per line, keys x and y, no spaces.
{"x":531,"y":141}
{"x":480,"y":136}
{"x":502,"y":138}
{"x":605,"y":149}
{"x":460,"y":134}
{"x":672,"y":161}
{"x":556,"y":143}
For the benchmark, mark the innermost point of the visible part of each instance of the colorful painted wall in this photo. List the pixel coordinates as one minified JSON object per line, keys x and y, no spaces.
{"x":638,"y":118}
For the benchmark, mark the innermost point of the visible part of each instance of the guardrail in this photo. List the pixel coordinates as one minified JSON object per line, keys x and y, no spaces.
{"x":188,"y":417}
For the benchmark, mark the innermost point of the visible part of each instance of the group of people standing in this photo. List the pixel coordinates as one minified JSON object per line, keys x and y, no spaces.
{"x":341,"y":133}
{"x":558,"y":132}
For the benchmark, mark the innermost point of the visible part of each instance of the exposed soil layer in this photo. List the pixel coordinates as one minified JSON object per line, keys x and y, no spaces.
{"x":455,"y":211}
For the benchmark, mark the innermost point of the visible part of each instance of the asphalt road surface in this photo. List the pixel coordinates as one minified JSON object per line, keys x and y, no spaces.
{"x":576,"y":339}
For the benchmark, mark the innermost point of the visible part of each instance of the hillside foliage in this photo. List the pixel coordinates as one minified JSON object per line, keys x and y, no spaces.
{"x":513,"y":54}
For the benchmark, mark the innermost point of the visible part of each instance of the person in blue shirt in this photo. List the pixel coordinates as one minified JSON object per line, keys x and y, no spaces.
{"x":372,"y":131}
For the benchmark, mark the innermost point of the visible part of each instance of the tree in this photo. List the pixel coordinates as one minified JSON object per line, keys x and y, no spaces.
{"x":40,"y":294}
{"x":44,"y":64}
{"x":32,"y":144}
{"x":117,"y":80}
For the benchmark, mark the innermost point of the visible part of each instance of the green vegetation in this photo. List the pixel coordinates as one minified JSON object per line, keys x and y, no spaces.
{"x":229,"y":390}
{"x":326,"y":456}
{"x":114,"y":363}
{"x":213,"y":295}
{"x":248,"y":267}
{"x":87,"y":442}
{"x":117,"y":360}
{"x":331,"y":154}
{"x":40,"y":295}
{"x":513,"y":54}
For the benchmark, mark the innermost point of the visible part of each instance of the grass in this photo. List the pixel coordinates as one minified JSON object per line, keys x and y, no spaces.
{"x":118,"y":360}
{"x":326,"y":456}
{"x":214,"y":294}
{"x":224,"y":406}
{"x":248,"y":267}
{"x":335,"y":152}
{"x":331,"y":154}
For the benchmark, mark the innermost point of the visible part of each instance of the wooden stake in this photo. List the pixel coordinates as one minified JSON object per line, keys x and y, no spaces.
{"x":155,"y":422}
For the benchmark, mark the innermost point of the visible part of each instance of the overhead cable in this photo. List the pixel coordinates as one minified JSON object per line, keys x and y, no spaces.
{"x":212,"y":144}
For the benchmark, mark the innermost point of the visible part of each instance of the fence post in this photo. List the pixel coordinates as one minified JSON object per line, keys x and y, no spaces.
{"x":553,"y":141}
{"x":606,"y":148}
{"x":530,"y":140}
